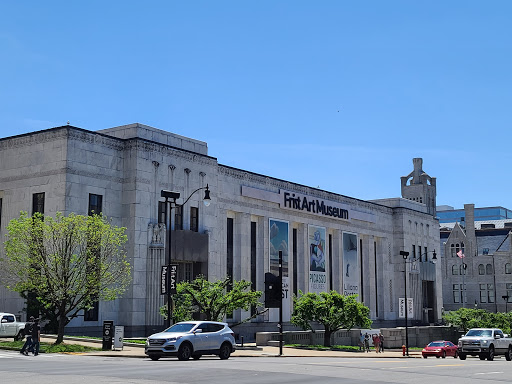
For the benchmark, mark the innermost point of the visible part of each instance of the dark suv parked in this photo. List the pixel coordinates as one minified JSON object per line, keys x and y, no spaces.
{"x":192,"y":339}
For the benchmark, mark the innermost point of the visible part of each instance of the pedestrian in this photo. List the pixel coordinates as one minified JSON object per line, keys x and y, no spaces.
{"x":366,"y":342}
{"x":28,"y":332}
{"x":361,"y":341}
{"x":376,"y":342}
{"x":36,"y":338}
{"x":381,"y":337}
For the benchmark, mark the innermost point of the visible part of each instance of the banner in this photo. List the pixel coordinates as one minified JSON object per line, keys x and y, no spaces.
{"x":317,"y":259}
{"x":410,"y":308}
{"x":350,"y":265}
{"x":278,"y":241}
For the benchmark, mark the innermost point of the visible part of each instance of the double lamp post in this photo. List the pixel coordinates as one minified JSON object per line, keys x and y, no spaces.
{"x":405,"y":254}
{"x":169,"y":283}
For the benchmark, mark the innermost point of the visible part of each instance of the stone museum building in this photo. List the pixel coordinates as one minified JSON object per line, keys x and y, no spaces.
{"x":328,"y":241}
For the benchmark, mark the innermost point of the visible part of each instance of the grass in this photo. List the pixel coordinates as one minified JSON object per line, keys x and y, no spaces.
{"x":346,"y":348}
{"x":47,"y":347}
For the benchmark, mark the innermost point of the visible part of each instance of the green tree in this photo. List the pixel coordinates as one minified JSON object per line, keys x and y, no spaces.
{"x":467,"y":318}
{"x":214,"y":300}
{"x":67,"y":262}
{"x":330,"y":309}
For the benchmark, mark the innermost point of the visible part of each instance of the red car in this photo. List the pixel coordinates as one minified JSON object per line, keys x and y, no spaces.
{"x":439,"y":349}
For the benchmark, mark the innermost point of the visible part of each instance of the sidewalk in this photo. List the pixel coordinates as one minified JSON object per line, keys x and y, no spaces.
{"x":137,"y":351}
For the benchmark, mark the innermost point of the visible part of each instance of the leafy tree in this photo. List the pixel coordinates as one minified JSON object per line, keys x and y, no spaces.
{"x":214,"y":300}
{"x":332,"y":310}
{"x":67,"y":262}
{"x":467,"y":318}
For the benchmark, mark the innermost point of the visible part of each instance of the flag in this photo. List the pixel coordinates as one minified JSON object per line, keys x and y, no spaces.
{"x":460,"y":254}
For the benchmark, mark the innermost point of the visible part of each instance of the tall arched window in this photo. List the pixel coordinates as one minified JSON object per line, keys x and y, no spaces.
{"x":481,"y":269}
{"x":508,"y":269}
{"x":452,"y":250}
{"x":462,"y":247}
{"x":488,"y":269}
{"x":462,"y":269}
{"x":455,"y":270}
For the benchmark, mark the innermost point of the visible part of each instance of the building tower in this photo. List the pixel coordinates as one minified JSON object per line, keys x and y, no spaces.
{"x":420,"y":187}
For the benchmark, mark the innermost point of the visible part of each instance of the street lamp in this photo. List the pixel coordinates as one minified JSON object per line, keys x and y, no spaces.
{"x":171,"y":197}
{"x":405,"y":254}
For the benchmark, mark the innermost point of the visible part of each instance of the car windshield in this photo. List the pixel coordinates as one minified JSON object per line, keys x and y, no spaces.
{"x":436,"y":344}
{"x":182,"y":327}
{"x":479,"y":332}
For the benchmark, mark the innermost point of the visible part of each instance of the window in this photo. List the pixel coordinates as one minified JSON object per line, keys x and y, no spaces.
{"x":194,"y":219}
{"x":452,"y":250}
{"x":95,"y":204}
{"x":229,"y":250}
{"x":162,"y":212}
{"x":485,"y":251}
{"x":488,"y":269}
{"x":419,"y":252}
{"x":92,"y":314}
{"x":481,"y":269}
{"x":459,"y":293}
{"x":487,"y":293}
{"x":414,"y":252}
{"x":509,"y":292}
{"x":462,"y":268}
{"x":178,"y":218}
{"x":455,"y":270}
{"x":508,"y":270}
{"x":38,"y":203}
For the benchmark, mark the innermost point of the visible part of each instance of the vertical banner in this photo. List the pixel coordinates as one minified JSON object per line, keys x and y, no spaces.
{"x":317,"y":259}
{"x":410,"y":308}
{"x":173,"y":274}
{"x":350,"y":265}
{"x":278,"y":239}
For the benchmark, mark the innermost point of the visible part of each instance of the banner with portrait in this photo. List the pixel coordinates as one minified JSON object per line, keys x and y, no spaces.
{"x":317,"y":259}
{"x":278,"y":241}
{"x":350,"y":276}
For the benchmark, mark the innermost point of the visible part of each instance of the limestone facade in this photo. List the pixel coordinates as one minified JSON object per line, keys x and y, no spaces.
{"x":128,"y":166}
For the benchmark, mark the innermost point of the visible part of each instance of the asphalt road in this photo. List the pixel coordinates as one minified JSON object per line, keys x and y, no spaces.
{"x":71,"y":369}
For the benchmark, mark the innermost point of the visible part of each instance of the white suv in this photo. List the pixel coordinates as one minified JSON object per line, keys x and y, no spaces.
{"x":192,"y":339}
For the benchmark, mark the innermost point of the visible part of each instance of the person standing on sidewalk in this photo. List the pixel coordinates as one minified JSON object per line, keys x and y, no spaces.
{"x":381,"y":342}
{"x":376,"y":342}
{"x":29,"y":325}
{"x":36,"y":337}
{"x":367,"y":342}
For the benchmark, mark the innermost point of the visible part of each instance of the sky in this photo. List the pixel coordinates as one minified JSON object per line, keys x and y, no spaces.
{"x":339,"y":95}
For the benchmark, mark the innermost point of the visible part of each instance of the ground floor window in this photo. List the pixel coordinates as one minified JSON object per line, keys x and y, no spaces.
{"x":459,"y":293}
{"x":487,"y":293}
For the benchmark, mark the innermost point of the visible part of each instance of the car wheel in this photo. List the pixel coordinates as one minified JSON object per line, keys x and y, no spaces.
{"x":508,"y":355}
{"x":456,"y":354}
{"x":481,"y":357}
{"x":490,"y":356}
{"x":225,"y":351}
{"x":437,"y":357}
{"x":19,"y":336}
{"x":462,"y":356}
{"x":444,"y":355}
{"x":196,"y":357}
{"x":154,"y":357}
{"x":424,"y":356}
{"x":185,"y":351}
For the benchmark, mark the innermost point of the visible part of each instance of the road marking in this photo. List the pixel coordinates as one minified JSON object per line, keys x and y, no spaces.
{"x":488,"y":373}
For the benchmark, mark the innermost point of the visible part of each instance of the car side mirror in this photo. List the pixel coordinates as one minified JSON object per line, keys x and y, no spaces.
{"x":198,"y":331}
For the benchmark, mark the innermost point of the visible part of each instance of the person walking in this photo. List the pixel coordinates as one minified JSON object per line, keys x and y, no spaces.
{"x":36,"y":338}
{"x":381,"y":337}
{"x":28,"y":332}
{"x":367,"y":342}
{"x":376,"y":342}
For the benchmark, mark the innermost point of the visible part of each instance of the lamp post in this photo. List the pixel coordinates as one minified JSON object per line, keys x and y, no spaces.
{"x":405,"y":254}
{"x":171,"y":197}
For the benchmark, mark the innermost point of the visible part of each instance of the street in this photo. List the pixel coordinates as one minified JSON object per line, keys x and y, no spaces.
{"x":71,"y":369}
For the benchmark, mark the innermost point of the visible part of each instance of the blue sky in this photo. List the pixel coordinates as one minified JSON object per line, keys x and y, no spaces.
{"x":339,"y":95}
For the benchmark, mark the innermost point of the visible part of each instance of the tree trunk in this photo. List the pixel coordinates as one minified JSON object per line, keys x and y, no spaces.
{"x":60,"y":332}
{"x":327,"y":337}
